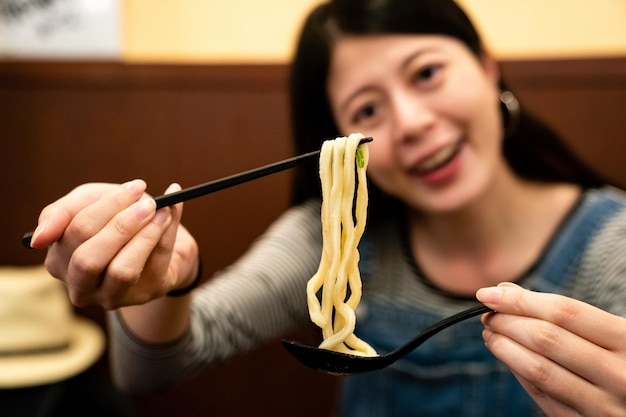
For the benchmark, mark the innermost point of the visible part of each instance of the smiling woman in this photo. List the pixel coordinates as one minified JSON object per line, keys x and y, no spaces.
{"x":510,"y":206}
{"x":194,"y":96}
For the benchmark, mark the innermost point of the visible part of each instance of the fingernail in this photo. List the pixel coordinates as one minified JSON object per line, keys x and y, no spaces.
{"x":173,"y":188}
{"x":38,"y":230}
{"x":487,"y":334}
{"x":489,"y":294}
{"x":145,"y":208}
{"x":508,"y":284}
{"x":135,"y":187}
{"x":162,"y":216}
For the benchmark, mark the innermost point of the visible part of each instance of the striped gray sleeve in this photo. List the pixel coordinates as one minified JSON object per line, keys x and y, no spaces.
{"x":264,"y":293}
{"x":251,"y":302}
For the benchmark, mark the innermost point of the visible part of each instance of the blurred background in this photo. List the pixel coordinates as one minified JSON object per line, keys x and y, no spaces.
{"x":193,"y":90}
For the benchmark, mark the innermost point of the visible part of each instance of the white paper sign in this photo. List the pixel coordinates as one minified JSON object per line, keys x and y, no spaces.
{"x":81,"y":29}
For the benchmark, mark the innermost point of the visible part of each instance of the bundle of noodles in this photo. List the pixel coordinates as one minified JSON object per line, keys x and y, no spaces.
{"x":343,"y":163}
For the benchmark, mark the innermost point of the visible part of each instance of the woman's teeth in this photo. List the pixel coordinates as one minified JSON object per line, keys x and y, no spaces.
{"x":439,"y":159}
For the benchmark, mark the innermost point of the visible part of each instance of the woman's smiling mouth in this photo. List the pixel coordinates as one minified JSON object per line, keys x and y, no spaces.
{"x":438,"y":160}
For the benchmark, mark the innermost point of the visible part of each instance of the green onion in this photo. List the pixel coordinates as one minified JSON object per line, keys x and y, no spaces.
{"x":360,"y":159}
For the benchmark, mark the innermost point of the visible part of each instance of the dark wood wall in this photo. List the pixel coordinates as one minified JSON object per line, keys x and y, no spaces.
{"x":65,"y":123}
{"x":584,"y":100}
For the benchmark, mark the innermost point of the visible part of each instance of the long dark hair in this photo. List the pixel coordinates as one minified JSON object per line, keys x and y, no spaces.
{"x":533,"y":150}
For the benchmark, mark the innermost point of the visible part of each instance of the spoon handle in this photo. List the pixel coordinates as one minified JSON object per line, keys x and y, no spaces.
{"x":439,"y":326}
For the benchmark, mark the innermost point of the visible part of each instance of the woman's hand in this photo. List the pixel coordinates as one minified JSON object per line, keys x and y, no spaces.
{"x":568,"y":355}
{"x":111,"y":247}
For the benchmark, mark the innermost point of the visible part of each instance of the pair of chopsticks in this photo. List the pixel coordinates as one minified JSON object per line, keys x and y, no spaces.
{"x":222,"y":183}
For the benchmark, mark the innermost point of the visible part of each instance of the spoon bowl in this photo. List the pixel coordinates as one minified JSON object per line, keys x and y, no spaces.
{"x":336,"y":363}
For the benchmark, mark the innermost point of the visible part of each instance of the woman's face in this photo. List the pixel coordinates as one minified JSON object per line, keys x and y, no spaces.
{"x":433,"y":110}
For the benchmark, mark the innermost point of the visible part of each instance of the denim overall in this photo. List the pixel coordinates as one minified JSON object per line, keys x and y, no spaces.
{"x":453,"y":374}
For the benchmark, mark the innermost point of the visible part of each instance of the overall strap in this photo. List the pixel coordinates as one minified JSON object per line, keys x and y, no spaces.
{"x":566,"y":253}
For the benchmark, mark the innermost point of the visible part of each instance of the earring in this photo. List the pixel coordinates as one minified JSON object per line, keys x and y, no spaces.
{"x":510,"y":112}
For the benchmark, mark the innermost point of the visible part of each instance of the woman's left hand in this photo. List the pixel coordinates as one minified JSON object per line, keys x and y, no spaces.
{"x":568,"y":355}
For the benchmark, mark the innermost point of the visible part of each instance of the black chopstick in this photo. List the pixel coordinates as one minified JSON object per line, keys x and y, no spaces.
{"x":222,"y":183}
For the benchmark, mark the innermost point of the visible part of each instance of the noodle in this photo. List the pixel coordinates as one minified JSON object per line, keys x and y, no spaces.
{"x":343,"y":221}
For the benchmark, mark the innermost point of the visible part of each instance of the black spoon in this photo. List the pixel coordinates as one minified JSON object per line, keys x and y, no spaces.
{"x":335,"y":363}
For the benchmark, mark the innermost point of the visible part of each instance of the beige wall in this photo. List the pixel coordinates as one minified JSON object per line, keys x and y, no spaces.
{"x":551,"y":28}
{"x":264,"y":30}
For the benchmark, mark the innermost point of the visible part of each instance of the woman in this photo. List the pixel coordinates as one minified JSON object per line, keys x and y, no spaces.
{"x":467,"y":192}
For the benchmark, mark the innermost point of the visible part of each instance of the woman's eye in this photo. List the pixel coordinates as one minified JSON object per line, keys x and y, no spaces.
{"x":428,"y":73}
{"x":365,"y":112}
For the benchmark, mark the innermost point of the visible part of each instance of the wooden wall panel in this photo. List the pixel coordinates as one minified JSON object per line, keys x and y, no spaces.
{"x":584,"y":100}
{"x":65,"y":123}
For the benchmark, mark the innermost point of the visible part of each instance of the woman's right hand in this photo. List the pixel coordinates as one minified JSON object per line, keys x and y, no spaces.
{"x":111,"y":247}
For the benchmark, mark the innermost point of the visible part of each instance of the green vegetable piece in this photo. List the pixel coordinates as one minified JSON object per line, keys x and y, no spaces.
{"x":360,"y":159}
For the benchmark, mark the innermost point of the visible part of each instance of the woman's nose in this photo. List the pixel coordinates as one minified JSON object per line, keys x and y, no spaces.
{"x":413,"y":117}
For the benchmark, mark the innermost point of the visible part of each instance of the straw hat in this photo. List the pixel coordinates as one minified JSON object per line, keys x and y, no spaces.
{"x":41,"y":339}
